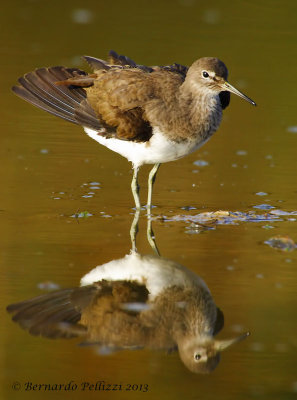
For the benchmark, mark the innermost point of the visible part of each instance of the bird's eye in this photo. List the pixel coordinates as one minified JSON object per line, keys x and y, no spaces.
{"x":197,"y":356}
{"x":205,"y":74}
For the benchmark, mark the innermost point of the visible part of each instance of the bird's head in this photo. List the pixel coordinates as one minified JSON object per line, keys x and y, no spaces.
{"x":202,"y":355}
{"x":210,"y":74}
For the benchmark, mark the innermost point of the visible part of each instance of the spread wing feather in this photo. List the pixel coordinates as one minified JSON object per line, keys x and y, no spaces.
{"x":73,"y":312}
{"x":112,"y":101}
{"x":54,"y":315}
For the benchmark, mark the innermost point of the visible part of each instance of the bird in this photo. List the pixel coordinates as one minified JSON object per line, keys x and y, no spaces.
{"x":137,"y":301}
{"x":150,"y":115}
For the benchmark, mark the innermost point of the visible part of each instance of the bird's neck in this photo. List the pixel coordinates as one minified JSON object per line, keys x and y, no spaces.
{"x":198,"y":317}
{"x":204,"y":106}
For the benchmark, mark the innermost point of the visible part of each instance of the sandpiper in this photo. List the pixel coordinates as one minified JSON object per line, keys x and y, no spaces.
{"x":150,"y":115}
{"x":138,"y":301}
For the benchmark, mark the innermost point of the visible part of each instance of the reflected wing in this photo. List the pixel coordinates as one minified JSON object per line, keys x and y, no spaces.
{"x":53,"y":315}
{"x":79,"y":311}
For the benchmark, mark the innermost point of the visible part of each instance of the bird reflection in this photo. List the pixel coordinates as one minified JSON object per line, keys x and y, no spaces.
{"x":138,"y":301}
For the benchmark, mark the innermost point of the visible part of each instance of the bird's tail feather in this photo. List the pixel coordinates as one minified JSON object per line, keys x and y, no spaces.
{"x":55,"y":314}
{"x":68,"y":102}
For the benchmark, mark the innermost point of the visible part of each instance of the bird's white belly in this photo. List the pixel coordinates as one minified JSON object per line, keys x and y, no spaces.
{"x":154,"y":272}
{"x":157,"y":150}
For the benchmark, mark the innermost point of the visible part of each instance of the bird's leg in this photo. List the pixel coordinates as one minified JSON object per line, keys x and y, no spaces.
{"x":135,"y":188}
{"x":150,"y":233}
{"x":134,"y":231}
{"x":151,"y":181}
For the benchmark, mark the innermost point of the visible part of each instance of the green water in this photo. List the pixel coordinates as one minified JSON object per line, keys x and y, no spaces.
{"x":47,"y":167}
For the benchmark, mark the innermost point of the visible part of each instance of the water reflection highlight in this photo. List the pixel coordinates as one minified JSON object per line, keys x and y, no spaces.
{"x":138,"y":301}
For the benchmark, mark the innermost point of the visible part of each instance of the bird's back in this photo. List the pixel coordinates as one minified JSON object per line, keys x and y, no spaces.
{"x":120,"y":99}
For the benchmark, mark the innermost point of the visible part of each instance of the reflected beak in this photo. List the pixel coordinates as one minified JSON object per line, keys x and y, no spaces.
{"x":226,"y":86}
{"x":221,"y":345}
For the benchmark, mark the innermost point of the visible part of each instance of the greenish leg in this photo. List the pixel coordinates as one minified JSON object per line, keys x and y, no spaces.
{"x":135,"y":188}
{"x":151,"y":181}
{"x":134,"y":231}
{"x":150,"y":233}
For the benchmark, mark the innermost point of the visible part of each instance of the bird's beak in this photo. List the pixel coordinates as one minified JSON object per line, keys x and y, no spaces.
{"x":221,"y":345}
{"x":226,"y":86}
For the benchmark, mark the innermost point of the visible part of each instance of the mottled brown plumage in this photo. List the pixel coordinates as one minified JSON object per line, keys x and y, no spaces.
{"x":128,"y":99}
{"x":165,"y":112}
{"x":157,"y":304}
{"x":132,"y":99}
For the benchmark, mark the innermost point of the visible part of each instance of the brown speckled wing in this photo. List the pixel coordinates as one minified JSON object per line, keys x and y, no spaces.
{"x":122,"y":99}
{"x":131,"y":100}
{"x":68,"y":102}
{"x":125,"y":62}
{"x":78,"y":311}
{"x":53,"y":315}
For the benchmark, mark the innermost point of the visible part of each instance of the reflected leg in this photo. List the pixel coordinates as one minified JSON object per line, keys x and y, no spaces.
{"x":135,"y":187}
{"x":150,"y":233}
{"x":151,"y":181}
{"x":134,"y":231}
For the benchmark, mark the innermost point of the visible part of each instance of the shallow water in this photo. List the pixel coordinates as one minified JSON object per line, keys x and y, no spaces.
{"x":66,"y":204}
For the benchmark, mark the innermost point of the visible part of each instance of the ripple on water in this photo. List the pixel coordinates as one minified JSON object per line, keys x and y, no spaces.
{"x":201,"y":163}
{"x":292,"y":129}
{"x":241,"y":152}
{"x":257,"y":347}
{"x":283,"y":243}
{"x":82,"y":16}
{"x":264,"y":207}
{"x":85,"y":190}
{"x":261,"y":194}
{"x":44,"y":151}
{"x":82,"y":214}
{"x":48,"y":285}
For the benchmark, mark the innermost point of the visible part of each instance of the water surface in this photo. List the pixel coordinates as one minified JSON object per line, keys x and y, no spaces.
{"x":53,"y":176}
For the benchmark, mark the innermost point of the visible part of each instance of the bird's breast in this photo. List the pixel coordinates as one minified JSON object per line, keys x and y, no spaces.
{"x":206,"y":116}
